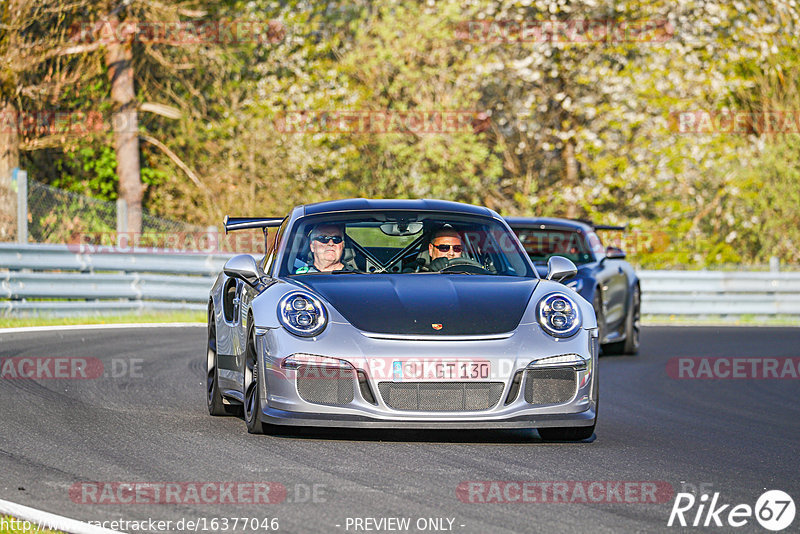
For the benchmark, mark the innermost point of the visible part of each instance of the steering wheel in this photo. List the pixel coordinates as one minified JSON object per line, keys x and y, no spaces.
{"x":464,"y":265}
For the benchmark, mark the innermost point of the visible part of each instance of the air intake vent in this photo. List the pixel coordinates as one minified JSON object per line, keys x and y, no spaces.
{"x":325,"y":385}
{"x":366,"y":391}
{"x":513,"y":391}
{"x":550,"y":386}
{"x":441,"y":396}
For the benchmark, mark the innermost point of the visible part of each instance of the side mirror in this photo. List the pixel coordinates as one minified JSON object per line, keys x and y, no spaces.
{"x":614,"y":253}
{"x":243,"y":267}
{"x":559,"y":267}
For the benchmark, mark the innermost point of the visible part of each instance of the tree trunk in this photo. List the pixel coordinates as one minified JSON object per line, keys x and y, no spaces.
{"x":571,"y":175}
{"x":9,"y":160}
{"x":119,"y":59}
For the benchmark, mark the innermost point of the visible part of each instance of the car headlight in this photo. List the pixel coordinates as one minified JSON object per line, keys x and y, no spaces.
{"x":558,"y":315}
{"x":302,"y":315}
{"x":576,"y":284}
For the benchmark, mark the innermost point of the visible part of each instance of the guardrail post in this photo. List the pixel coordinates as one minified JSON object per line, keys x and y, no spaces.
{"x":20,"y":177}
{"x":122,"y":216}
{"x":213,"y":239}
{"x":774,"y":264}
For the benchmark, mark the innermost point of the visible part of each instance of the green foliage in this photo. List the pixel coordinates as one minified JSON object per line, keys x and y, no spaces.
{"x":89,"y":170}
{"x":580,"y":129}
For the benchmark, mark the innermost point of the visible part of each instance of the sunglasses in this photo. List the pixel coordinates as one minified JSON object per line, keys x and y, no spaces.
{"x":445,"y":248}
{"x":326,"y":238}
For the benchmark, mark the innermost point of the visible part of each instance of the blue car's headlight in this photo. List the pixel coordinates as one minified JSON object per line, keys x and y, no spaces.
{"x":558,"y":315}
{"x":302,"y":315}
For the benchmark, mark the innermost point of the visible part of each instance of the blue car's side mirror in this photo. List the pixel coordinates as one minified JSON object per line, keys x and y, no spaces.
{"x":614,"y":253}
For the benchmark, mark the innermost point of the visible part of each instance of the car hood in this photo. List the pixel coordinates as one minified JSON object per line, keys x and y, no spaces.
{"x":419,"y":303}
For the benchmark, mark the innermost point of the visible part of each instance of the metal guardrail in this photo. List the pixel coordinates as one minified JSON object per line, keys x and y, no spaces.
{"x":69,"y":258}
{"x":720,"y":293}
{"x":63,"y":280}
{"x":59,"y":279}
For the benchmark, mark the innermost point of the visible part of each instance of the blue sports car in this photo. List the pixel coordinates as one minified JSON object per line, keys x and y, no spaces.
{"x":604,"y":278}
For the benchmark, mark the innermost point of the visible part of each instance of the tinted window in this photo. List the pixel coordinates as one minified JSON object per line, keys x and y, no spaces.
{"x":398,"y":243}
{"x":541,"y":244}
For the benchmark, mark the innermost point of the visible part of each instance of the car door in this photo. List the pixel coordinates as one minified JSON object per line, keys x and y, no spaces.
{"x":614,"y":287}
{"x":229,"y":335}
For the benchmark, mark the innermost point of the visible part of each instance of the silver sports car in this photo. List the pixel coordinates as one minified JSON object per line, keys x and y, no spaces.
{"x":400,"y":313}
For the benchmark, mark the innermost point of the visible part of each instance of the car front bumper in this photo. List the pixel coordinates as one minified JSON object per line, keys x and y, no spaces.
{"x":281,"y":417}
{"x":282,"y":404}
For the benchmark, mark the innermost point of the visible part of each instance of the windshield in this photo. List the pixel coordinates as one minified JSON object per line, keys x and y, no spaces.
{"x":542,"y":243}
{"x":402,"y":243}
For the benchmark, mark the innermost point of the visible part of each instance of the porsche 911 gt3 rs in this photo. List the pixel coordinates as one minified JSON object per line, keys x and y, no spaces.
{"x":400,"y":313}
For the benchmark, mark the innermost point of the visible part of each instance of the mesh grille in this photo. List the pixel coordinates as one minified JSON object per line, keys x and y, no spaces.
{"x":550,"y":386}
{"x":441,"y":396}
{"x":324,"y":385}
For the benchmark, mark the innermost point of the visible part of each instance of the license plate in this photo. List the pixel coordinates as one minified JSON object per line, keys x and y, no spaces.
{"x":441,"y":370}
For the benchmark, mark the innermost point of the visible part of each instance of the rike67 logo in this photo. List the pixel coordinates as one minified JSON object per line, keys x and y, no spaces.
{"x":774,"y":510}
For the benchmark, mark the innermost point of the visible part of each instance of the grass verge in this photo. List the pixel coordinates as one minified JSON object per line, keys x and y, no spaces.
{"x":720,"y":320}
{"x":152,"y":317}
{"x":12,"y":525}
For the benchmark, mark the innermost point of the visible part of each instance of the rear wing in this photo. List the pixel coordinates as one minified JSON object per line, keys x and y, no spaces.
{"x":610,"y":227}
{"x":603,"y":226}
{"x":246,"y":223}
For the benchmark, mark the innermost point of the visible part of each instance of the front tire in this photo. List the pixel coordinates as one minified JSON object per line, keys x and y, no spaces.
{"x":631,"y":343}
{"x":632,"y":325}
{"x":252,"y":392}
{"x":575,"y":433}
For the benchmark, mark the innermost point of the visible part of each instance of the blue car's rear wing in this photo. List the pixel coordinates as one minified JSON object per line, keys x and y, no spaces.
{"x":603,"y":226}
{"x":246,"y":223}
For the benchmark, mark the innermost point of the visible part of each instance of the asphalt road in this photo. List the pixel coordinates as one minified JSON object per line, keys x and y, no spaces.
{"x":146,"y":421}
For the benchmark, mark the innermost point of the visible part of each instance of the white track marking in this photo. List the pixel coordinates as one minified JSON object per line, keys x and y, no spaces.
{"x":38,"y":518}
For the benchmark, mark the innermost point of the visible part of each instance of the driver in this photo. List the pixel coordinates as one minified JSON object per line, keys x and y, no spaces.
{"x":444,"y":246}
{"x":327,"y":246}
